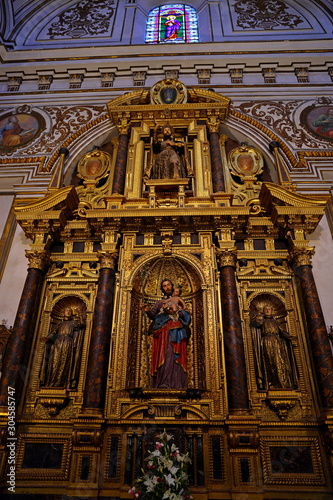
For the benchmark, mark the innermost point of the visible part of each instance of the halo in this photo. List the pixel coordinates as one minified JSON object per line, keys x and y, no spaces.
{"x":70,"y":301}
{"x":264,"y":299}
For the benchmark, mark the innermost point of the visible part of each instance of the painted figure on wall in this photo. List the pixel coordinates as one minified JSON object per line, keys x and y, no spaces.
{"x":324,"y":123}
{"x":17,"y":130}
{"x":170,"y":322}
{"x":170,"y":156}
{"x":60,"y":367}
{"x":275,"y":362}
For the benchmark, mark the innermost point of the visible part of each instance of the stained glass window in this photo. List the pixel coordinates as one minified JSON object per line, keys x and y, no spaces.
{"x":173,"y":23}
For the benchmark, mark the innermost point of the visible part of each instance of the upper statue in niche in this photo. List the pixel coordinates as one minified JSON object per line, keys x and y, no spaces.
{"x":169,"y":157}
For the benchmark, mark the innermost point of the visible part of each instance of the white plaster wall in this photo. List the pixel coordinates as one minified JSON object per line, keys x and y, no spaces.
{"x":322,"y":260}
{"x":14,"y":277}
{"x":5,"y":205}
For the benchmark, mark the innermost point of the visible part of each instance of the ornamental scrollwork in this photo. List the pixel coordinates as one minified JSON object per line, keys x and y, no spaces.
{"x":258,"y":14}
{"x":85,"y":19}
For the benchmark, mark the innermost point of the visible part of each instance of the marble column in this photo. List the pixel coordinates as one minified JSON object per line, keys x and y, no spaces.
{"x":215,"y":155}
{"x":98,"y":358}
{"x":119,"y":176}
{"x":319,"y":341}
{"x":18,"y":350}
{"x":232,"y":334}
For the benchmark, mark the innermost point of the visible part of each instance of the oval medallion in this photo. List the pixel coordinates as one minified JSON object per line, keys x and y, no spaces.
{"x":168,"y":95}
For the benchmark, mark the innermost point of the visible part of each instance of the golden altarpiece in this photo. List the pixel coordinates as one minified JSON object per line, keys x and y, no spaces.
{"x":175,"y":200}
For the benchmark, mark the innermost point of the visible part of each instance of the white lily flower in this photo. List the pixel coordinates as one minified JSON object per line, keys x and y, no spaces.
{"x":169,"y":480}
{"x":173,"y":470}
{"x":150,"y":483}
{"x":156,"y":453}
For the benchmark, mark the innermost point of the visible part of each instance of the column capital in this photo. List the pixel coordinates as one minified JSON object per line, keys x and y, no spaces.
{"x":123,"y":126}
{"x":107,"y":259}
{"x":213,"y":124}
{"x":227,"y":257}
{"x":38,"y":260}
{"x":302,"y":256}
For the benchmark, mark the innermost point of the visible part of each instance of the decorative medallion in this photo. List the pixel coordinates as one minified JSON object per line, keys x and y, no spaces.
{"x":168,"y":92}
{"x":19,"y":129}
{"x":319,"y":120}
{"x":246,"y":161}
{"x":94,"y":166}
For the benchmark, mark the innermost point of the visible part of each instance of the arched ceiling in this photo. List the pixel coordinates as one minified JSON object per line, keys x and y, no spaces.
{"x":27,"y":24}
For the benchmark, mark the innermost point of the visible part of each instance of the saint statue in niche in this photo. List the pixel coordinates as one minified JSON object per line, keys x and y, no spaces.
{"x":170,"y":156}
{"x":170,"y":322}
{"x":273,"y":351}
{"x":62,"y":351}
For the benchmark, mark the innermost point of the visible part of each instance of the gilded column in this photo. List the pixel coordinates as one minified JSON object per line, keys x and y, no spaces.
{"x":213,"y":125}
{"x":19,"y":345}
{"x":121,"y":160}
{"x":97,"y":370}
{"x":320,"y":346}
{"x":232,"y":334}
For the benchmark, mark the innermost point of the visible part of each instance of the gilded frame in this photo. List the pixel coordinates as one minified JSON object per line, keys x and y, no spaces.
{"x":315,"y":478}
{"x":45,"y":474}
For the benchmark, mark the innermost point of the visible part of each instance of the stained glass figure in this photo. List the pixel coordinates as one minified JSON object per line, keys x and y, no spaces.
{"x":173,"y":23}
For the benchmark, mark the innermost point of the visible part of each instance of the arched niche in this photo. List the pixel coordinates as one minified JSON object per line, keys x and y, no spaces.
{"x":146,"y":288}
{"x":275,"y":362}
{"x":102,"y":136}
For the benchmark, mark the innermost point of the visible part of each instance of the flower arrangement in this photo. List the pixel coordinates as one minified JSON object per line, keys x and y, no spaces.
{"x":165,"y":476}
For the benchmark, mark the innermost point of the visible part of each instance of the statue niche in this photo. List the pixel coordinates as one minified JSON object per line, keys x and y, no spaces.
{"x":63,"y":346}
{"x":169,"y":158}
{"x":272,"y":346}
{"x":166,"y":337}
